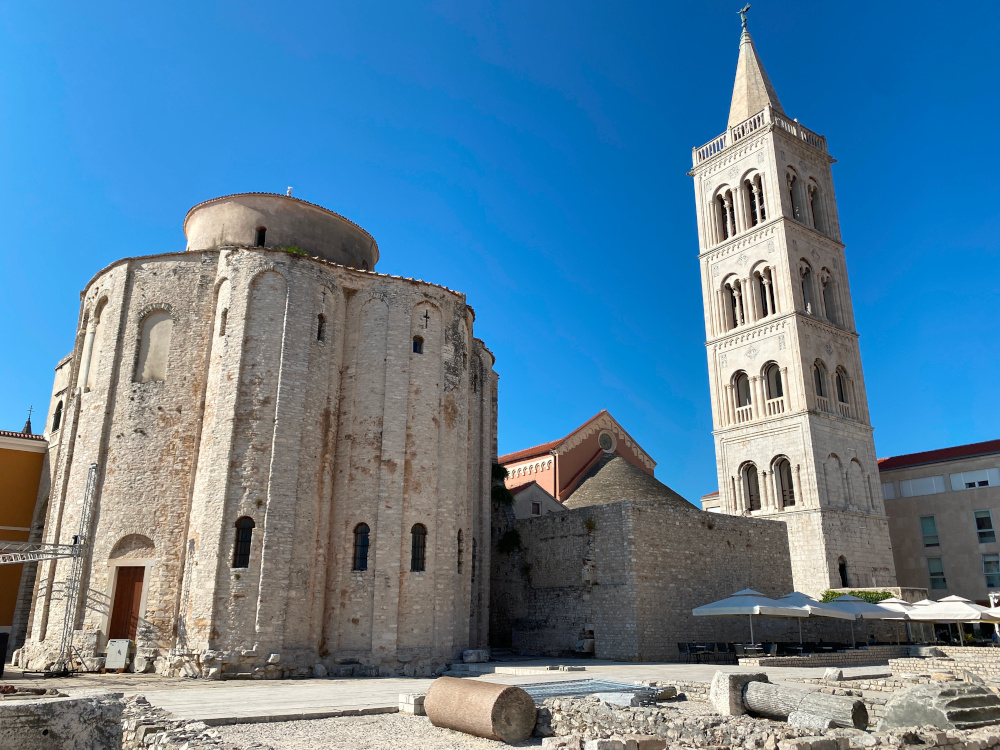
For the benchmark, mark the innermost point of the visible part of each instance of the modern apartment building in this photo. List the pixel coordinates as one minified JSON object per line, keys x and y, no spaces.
{"x":944,"y":508}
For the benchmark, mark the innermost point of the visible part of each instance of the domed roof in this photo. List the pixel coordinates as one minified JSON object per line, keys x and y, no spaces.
{"x":613,"y":479}
{"x":279,"y":221}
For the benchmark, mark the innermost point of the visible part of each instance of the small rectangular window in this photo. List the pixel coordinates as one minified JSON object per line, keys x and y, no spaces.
{"x":888,"y":493}
{"x":936,"y":571}
{"x":922,"y":486}
{"x":984,"y":527}
{"x":968,"y":480}
{"x":536,"y":509}
{"x":928,"y":527}
{"x":991,"y":569}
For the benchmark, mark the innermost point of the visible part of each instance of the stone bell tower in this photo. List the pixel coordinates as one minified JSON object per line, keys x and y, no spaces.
{"x":793,"y":438}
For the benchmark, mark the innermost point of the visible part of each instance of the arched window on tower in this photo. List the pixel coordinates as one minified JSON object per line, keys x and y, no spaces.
{"x":57,"y":416}
{"x":223,"y":320}
{"x":775,"y":392}
{"x":418,"y":345}
{"x":741,"y":387}
{"x":753,"y":189}
{"x":763,"y":283}
{"x":843,"y":393}
{"x":830,"y":298}
{"x":816,"y":207}
{"x":751,"y":487}
{"x":361,"y":533}
{"x":459,"y":549}
{"x":418,"y":548}
{"x":725,"y":213}
{"x":259,"y":236}
{"x":806,"y":274}
{"x":244,"y":536}
{"x":783,"y":472}
{"x":819,"y":383}
{"x":841,"y":390}
{"x":794,"y":200}
{"x":321,"y":327}
{"x":733,"y":300}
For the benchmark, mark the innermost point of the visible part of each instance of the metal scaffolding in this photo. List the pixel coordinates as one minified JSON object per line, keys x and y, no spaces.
{"x":12,"y":553}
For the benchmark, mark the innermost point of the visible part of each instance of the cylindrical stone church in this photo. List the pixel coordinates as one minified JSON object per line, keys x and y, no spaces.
{"x":293,"y":456}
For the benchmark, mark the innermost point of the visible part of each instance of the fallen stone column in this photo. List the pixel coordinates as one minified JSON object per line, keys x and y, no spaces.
{"x":777,"y":702}
{"x":497,"y":712}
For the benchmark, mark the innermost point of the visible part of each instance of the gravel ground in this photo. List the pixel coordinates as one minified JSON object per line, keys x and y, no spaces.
{"x":379,"y":732}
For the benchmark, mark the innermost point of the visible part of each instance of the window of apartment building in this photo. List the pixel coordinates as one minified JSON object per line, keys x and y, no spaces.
{"x":888,"y":492}
{"x":923,"y":486}
{"x":928,"y":527}
{"x":969,"y":480}
{"x":991,"y":569}
{"x":984,"y":527}
{"x":936,"y":571}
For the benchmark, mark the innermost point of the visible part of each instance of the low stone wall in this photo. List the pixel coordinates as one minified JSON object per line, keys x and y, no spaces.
{"x":144,"y":726}
{"x":873,"y":655}
{"x":982,"y":662}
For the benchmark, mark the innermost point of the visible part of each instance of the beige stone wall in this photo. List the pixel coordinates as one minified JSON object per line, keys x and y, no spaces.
{"x":259,"y":416}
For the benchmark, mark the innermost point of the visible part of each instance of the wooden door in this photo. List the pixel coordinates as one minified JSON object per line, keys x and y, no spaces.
{"x":128,"y":598}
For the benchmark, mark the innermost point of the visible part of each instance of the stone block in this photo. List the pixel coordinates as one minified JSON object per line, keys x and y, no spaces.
{"x":619,"y":699}
{"x":146,"y":730}
{"x":726,"y":692}
{"x":644,"y":742}
{"x":944,"y":706}
{"x":603,"y":745}
{"x":319,"y":670}
{"x":832,"y":674}
{"x":476,"y":655}
{"x":273,"y":658}
{"x":91,"y":721}
{"x":412,"y":704}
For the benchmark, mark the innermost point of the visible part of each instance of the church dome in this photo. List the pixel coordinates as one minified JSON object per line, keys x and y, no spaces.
{"x":279,"y":221}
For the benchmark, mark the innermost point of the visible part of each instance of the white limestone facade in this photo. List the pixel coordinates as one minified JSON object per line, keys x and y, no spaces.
{"x":255,"y":405}
{"x":792,"y":431}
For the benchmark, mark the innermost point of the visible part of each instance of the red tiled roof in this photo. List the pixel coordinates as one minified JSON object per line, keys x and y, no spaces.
{"x":8,"y":433}
{"x":710,"y":494}
{"x":941,"y":454}
{"x":539,"y":450}
{"x":522,"y":487}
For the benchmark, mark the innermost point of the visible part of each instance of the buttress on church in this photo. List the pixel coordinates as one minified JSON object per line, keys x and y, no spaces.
{"x":294,"y":453}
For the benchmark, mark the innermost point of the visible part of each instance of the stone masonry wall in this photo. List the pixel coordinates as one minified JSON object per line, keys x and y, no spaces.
{"x":293,"y":396}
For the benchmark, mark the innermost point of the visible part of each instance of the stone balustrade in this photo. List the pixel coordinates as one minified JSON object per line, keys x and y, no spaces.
{"x":766,"y":116}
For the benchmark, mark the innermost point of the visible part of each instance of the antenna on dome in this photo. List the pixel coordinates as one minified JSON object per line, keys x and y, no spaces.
{"x":288,"y":192}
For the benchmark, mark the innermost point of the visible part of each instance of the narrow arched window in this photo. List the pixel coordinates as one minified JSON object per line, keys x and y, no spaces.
{"x":459,"y":548}
{"x":473,"y":559}
{"x":816,"y":208}
{"x":418,"y":548}
{"x":259,"y":236}
{"x":321,"y":327}
{"x":841,"y":389}
{"x":361,"y":532}
{"x":418,"y":345}
{"x":773,"y":378}
{"x":845,"y":581}
{"x":807,"y":288}
{"x":751,"y":487}
{"x":819,"y":380}
{"x":830,"y":301}
{"x":783,"y":470}
{"x":748,"y":190}
{"x":742,"y":385}
{"x":795,"y":202}
{"x":758,"y":183}
{"x":154,"y":347}
{"x":57,"y":416}
{"x":244,"y":535}
{"x":762,"y":284}
{"x":223,"y":319}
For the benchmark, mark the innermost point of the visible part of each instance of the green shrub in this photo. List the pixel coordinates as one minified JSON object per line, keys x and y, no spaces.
{"x":590,"y":524}
{"x":872,"y":597}
{"x":500,"y":473}
{"x":510,"y":541}
{"x":502,"y":495}
{"x":295,"y":250}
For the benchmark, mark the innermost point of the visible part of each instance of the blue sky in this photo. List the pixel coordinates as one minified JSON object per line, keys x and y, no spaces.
{"x":532,"y":155}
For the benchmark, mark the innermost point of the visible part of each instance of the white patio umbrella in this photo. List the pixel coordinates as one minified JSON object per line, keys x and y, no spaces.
{"x":954,"y":609}
{"x":814,"y":608}
{"x":748,"y":602}
{"x":859,"y":608}
{"x":924,"y":603}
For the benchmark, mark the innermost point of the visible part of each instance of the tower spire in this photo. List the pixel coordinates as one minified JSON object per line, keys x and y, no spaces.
{"x":752,"y":90}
